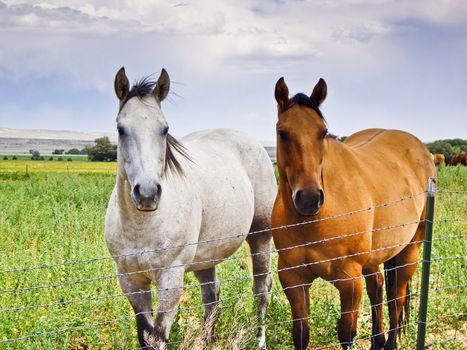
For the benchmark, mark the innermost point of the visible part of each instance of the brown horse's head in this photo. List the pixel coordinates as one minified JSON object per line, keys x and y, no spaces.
{"x":301,"y":131}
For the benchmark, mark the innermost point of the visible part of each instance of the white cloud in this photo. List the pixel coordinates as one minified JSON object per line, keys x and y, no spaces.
{"x":216,"y":47}
{"x":212,"y":33}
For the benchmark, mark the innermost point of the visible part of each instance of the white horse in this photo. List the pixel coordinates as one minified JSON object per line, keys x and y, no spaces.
{"x":183,"y":206}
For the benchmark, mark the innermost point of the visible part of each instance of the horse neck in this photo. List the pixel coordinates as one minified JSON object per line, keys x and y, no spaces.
{"x":336,"y":153}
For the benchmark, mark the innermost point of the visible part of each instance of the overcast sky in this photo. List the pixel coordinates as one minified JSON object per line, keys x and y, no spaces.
{"x":387,"y":63}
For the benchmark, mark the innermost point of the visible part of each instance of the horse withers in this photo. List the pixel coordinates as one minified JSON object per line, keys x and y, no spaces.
{"x":321,"y":178}
{"x":181,"y":206}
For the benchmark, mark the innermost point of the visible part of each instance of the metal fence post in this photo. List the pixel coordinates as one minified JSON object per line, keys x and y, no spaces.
{"x":426,"y":265}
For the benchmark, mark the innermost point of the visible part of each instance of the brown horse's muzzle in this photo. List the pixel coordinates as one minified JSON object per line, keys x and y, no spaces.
{"x":308,"y":201}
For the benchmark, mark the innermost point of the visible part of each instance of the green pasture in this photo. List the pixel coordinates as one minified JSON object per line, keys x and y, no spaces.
{"x":57,"y":216}
{"x":28,"y":166}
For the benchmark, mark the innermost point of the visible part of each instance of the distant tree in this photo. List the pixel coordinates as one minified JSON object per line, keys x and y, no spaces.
{"x":58,"y":151}
{"x":102,"y":151}
{"x":85,"y":150}
{"x":458,"y":145}
{"x":440,"y":146}
{"x":341,"y":138}
{"x":14,"y":158}
{"x":73,"y":151}
{"x":448,"y":147}
{"x":5,"y":158}
{"x":35,"y":155}
{"x":31,"y":150}
{"x":69,"y":160}
{"x":51,"y":158}
{"x":60,"y":159}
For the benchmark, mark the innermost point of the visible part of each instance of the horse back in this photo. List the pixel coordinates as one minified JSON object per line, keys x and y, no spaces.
{"x":234,"y":178}
{"x":387,"y":167}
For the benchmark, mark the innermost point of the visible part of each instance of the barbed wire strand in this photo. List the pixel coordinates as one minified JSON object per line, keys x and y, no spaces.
{"x":233,"y":257}
{"x":115,"y":257}
{"x":255,"y":275}
{"x":100,"y":278}
{"x":171,"y":310}
{"x":66,"y":303}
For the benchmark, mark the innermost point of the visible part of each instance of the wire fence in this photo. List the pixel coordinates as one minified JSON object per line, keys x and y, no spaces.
{"x":72,"y":294}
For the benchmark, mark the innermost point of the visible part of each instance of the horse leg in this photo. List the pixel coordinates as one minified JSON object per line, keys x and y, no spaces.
{"x":139,"y":296}
{"x":260,"y":246}
{"x":374,"y":288}
{"x":397,"y":282}
{"x":350,"y":291}
{"x":296,"y":290}
{"x":170,"y":289}
{"x":210,"y":290}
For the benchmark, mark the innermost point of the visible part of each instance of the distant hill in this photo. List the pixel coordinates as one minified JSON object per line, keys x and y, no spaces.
{"x":45,"y":141}
{"x":17,"y":141}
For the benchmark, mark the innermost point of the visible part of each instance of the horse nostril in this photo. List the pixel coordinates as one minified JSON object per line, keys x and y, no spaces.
{"x":298,"y":195}
{"x":159,"y":190}
{"x":136,"y":191}
{"x":321,"y":197}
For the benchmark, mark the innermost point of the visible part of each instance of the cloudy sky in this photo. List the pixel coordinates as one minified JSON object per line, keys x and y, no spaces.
{"x":388,"y":63}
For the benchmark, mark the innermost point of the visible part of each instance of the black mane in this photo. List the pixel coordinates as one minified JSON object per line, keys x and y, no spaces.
{"x":304,"y":100}
{"x":140,"y":89}
{"x":171,"y":162}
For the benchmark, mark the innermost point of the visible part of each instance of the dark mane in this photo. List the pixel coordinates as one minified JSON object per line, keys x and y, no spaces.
{"x":304,"y":100}
{"x":171,"y":162}
{"x":145,"y":87}
{"x":140,"y":89}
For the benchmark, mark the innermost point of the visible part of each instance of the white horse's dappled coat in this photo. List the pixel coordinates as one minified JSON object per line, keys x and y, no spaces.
{"x":225,"y":189}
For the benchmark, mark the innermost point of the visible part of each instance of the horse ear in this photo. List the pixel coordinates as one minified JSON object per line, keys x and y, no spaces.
{"x":122,"y":85}
{"x":282,"y":94}
{"x":162,"y":86}
{"x":319,"y":92}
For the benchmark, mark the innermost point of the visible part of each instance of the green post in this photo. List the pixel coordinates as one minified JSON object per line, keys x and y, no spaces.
{"x":426,"y":264}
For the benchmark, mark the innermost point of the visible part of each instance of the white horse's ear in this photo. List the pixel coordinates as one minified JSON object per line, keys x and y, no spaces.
{"x":122,"y":85}
{"x":320,"y":92}
{"x":162,"y":86}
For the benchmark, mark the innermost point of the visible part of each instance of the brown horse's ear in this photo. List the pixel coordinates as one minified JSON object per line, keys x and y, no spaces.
{"x":162,"y":86}
{"x":282,"y":94}
{"x":121,"y":84}
{"x":319,"y":92}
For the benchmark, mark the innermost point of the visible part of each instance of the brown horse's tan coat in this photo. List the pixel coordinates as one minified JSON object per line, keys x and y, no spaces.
{"x":370,"y":168}
{"x":439,"y":159}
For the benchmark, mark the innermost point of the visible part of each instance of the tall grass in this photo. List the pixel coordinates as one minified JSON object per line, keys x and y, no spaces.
{"x":49,"y":218}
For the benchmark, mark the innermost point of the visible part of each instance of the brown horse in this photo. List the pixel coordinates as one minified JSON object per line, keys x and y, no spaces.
{"x":439,"y":159}
{"x":320,"y":177}
{"x":460,"y":158}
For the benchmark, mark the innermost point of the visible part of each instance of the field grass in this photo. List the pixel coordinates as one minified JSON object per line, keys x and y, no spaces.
{"x":54,"y":217}
{"x":27,"y":166}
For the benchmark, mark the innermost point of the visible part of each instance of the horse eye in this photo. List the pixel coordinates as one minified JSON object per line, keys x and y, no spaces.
{"x":121,"y":130}
{"x":165,"y":130}
{"x":284,"y":136}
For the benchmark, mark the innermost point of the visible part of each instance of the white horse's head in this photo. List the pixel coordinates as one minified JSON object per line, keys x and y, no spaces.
{"x":145,"y":149}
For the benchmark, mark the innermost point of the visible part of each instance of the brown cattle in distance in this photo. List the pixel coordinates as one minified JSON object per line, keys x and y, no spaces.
{"x":460,"y":158}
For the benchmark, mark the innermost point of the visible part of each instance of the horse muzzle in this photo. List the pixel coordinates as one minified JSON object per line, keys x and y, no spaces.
{"x":308,"y":201}
{"x":146,"y":198}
